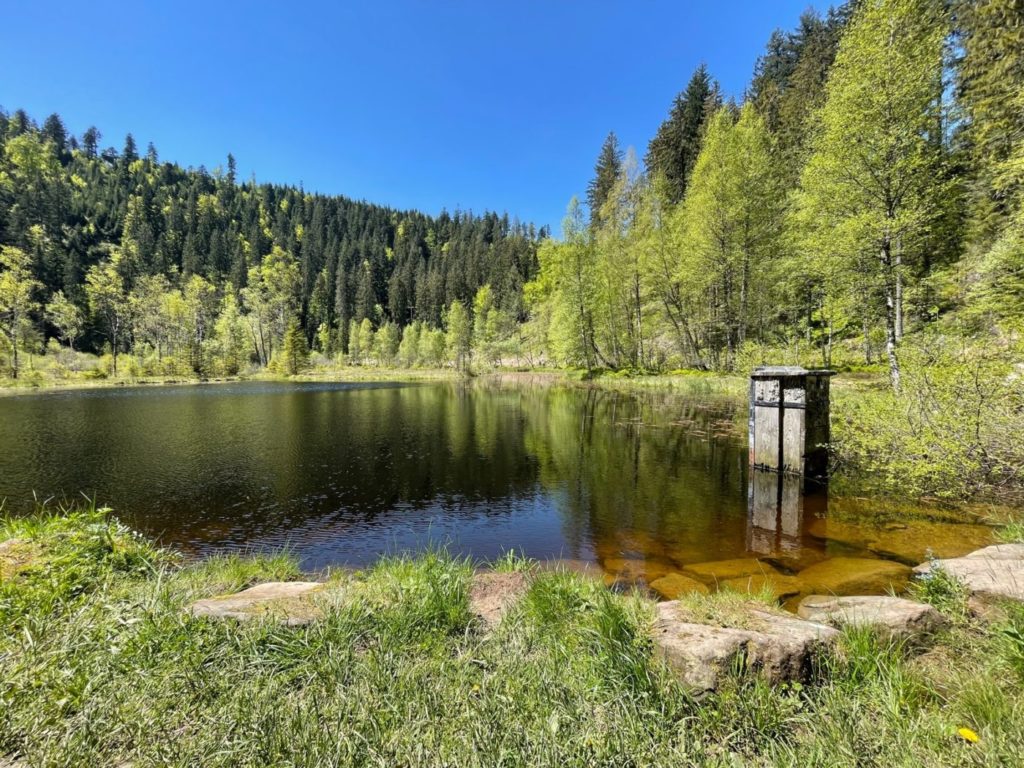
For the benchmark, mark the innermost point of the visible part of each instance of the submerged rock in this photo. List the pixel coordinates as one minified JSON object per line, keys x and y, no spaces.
{"x":778,"y":585}
{"x":491,"y":594}
{"x":904,"y":619}
{"x":676,"y":584}
{"x":288,"y":601}
{"x":777,"y":646}
{"x":992,"y":572}
{"x":721,"y":570}
{"x":637,"y":569}
{"x":908,"y":541}
{"x":855,"y":576}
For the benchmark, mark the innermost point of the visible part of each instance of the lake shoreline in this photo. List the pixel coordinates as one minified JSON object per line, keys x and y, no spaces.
{"x":112,"y":653}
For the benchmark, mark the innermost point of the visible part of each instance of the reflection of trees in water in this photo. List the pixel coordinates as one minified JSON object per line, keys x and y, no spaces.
{"x":639,"y":472}
{"x":236,"y":464}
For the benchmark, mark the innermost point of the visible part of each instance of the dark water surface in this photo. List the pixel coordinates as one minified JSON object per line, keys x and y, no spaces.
{"x":341,"y":473}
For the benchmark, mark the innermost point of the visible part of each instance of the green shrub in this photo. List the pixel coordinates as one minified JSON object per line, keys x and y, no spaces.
{"x":953,"y":432}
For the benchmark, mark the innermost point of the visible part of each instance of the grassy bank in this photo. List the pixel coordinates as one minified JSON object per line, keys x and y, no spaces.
{"x":100,"y":665}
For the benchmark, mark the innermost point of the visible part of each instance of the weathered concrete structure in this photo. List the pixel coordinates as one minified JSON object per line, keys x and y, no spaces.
{"x":789,"y":434}
{"x":789,"y":420}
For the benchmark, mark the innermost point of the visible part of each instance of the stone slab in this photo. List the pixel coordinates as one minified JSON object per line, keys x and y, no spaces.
{"x":779,"y":647}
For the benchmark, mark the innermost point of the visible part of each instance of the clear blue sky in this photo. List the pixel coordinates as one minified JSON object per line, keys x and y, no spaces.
{"x":418,"y":104}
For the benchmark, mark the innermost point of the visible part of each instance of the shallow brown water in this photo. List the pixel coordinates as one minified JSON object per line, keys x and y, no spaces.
{"x":645,"y":484}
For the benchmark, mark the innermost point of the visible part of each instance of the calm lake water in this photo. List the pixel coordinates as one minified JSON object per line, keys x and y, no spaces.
{"x":340,"y":473}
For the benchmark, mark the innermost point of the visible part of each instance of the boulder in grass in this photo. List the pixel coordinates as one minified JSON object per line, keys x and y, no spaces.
{"x":995,"y":572}
{"x":288,"y":601}
{"x":777,"y":646}
{"x":903,"y":619}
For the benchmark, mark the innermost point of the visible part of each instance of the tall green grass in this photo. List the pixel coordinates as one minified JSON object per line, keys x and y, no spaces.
{"x":101,"y":665}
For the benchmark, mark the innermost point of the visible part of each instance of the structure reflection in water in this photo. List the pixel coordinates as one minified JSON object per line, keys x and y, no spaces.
{"x":780,"y":507}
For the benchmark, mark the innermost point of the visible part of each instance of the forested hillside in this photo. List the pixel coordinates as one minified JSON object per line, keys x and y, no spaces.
{"x":868,"y":189}
{"x":108,"y":248}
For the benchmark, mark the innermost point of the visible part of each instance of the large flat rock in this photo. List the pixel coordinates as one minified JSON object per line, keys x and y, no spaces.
{"x":992,"y":572}
{"x":779,"y":647}
{"x":855,"y":576}
{"x":288,"y":601}
{"x":904,"y":619}
{"x":778,"y":585}
{"x":676,"y":585}
{"x":721,"y":570}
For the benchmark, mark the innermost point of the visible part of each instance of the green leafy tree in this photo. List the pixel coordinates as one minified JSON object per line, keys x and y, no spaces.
{"x":231,"y":334}
{"x":872,"y":186}
{"x":109,"y":301}
{"x":733,"y":218}
{"x":459,"y":335}
{"x":17,"y":299}
{"x":65,"y":316}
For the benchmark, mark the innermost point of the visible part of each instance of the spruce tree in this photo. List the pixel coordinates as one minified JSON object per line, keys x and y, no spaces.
{"x":606,"y":172}
{"x":673,"y":151}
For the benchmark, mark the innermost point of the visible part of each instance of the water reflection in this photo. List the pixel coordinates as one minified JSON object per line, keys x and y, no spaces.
{"x":643,"y":484}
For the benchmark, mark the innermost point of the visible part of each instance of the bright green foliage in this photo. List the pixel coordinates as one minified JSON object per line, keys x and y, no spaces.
{"x":732,"y":219}
{"x":366,"y":339}
{"x":458,"y":335}
{"x":386,"y":343}
{"x":873,"y":184}
{"x":565,"y":292}
{"x":17,"y":299}
{"x":953,"y":432}
{"x":231,"y":335}
{"x":493,"y":327}
{"x":294,"y":352}
{"x":408,"y":349}
{"x":109,"y":301}
{"x":65,"y":316}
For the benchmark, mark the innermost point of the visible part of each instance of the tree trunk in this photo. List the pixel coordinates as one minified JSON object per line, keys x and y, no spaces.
{"x":899,"y":290}
{"x":890,"y":315}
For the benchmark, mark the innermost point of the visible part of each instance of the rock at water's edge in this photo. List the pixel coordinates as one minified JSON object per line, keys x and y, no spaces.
{"x":992,"y":572}
{"x":904,"y":619}
{"x":776,"y":646}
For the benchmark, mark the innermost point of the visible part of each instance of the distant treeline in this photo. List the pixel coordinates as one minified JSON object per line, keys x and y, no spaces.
{"x":71,"y":207}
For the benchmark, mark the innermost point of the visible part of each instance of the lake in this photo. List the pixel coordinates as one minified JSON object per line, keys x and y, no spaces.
{"x":640,"y":483}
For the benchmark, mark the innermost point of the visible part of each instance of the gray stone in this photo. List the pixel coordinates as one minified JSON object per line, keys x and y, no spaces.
{"x":491,"y":595}
{"x":287,"y":600}
{"x":992,"y":572}
{"x":779,"y":647}
{"x":901,"y":618}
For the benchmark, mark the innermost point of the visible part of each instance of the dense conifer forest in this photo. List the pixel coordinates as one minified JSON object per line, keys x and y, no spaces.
{"x":119,"y":249}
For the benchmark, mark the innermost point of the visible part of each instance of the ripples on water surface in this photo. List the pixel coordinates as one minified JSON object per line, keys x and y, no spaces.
{"x":341,"y":473}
